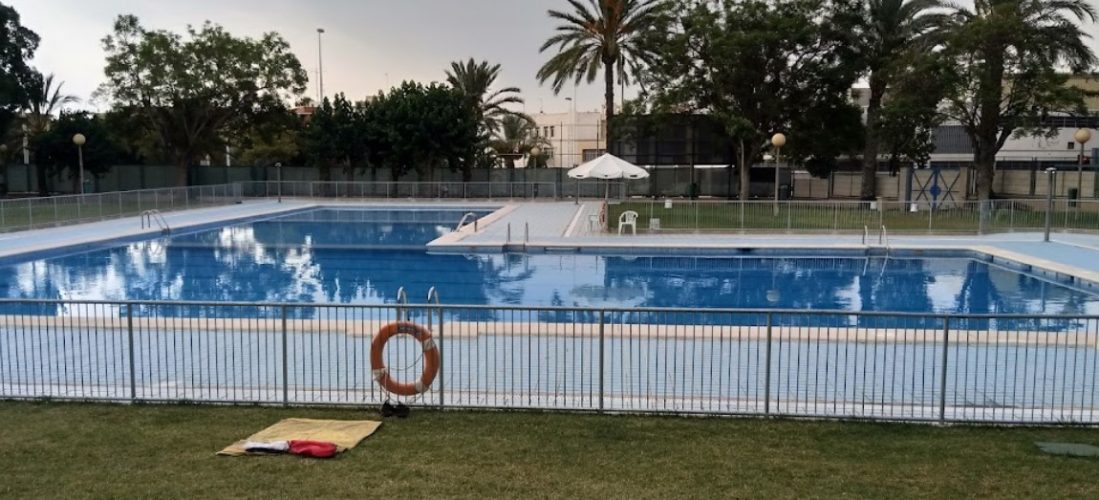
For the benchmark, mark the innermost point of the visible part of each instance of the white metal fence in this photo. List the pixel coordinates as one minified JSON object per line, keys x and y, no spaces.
{"x":31,"y":213}
{"x":889,"y":366}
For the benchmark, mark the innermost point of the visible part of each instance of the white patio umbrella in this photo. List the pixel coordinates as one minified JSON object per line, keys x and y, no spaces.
{"x":608,"y":167}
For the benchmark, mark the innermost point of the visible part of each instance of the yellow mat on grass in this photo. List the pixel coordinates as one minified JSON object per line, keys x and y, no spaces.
{"x":345,"y":434}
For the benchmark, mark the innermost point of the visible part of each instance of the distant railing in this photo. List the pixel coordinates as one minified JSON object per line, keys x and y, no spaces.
{"x":685,"y":215}
{"x":841,"y":216}
{"x":1034,"y":369}
{"x":401,"y":190}
{"x":32,"y":213}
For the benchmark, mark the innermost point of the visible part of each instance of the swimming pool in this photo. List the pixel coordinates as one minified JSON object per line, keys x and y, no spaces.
{"x":360,"y":256}
{"x":763,"y":334}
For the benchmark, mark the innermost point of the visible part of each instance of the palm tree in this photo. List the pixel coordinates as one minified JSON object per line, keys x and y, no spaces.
{"x":895,"y":27}
{"x":515,"y":138}
{"x":475,"y":80}
{"x":605,"y":34}
{"x":1011,"y":50}
{"x":43,"y":100}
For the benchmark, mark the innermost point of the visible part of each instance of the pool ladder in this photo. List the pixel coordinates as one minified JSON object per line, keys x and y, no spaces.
{"x":465,"y":221}
{"x":149,"y":217}
{"x":883,"y":242}
{"x":883,"y":238}
{"x":402,"y":300}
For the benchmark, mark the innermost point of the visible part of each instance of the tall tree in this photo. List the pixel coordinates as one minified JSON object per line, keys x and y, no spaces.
{"x":197,"y":90}
{"x":909,"y":117}
{"x":420,"y":128}
{"x":54,"y":152}
{"x":1007,"y":53}
{"x":335,"y":137}
{"x":515,"y":139}
{"x":44,"y":100}
{"x":475,"y":80}
{"x":604,"y":34}
{"x":17,"y":46}
{"x":893,"y":28}
{"x":761,"y":67}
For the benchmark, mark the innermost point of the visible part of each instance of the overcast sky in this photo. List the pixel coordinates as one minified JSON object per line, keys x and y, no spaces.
{"x":369,"y":45}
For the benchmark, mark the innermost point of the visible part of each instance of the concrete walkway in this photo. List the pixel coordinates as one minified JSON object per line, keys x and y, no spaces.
{"x":95,"y":232}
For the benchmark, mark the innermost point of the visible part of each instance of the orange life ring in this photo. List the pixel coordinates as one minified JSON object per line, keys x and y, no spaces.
{"x":431,"y":358}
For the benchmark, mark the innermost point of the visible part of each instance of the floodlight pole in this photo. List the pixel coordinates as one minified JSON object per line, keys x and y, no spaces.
{"x":1052,"y":172}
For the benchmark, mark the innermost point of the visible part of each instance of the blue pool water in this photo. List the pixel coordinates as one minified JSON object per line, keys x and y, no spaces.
{"x":353,"y":256}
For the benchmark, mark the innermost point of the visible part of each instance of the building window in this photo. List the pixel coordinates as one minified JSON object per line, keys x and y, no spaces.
{"x":591,"y":154}
{"x":551,"y":134}
{"x":1071,"y":145}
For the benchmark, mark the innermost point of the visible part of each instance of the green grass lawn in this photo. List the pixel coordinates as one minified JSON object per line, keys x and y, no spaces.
{"x":67,"y":450}
{"x":691,"y":216}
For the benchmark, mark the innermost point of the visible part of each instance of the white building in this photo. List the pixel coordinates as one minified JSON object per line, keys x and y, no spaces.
{"x":571,"y":138}
{"x":952,"y":145}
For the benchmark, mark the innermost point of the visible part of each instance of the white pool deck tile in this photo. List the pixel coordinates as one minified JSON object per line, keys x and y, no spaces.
{"x":567,"y":225}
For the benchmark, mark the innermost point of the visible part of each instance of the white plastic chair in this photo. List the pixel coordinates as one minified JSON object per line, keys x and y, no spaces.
{"x":628,"y":218}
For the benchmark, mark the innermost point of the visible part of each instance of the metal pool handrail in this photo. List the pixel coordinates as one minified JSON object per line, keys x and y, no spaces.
{"x":402,"y":300}
{"x":153,"y":215}
{"x":465,"y":218}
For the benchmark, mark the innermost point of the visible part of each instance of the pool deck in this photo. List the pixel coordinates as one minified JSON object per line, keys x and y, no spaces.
{"x":570,"y":227}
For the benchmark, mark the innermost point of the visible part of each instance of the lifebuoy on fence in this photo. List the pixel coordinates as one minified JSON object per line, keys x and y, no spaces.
{"x":431,"y":358}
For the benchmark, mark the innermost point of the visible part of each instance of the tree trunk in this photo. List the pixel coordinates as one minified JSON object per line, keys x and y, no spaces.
{"x":183,"y":165}
{"x":870,"y":152}
{"x":40,"y":171}
{"x":986,"y":142}
{"x":608,"y":96}
{"x":745,"y":173}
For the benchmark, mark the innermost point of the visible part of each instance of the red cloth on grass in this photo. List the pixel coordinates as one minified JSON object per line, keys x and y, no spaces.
{"x":315,"y":449}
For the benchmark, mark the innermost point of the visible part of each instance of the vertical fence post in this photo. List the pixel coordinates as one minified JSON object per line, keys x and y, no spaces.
{"x":942,"y":381}
{"x":130,"y":336}
{"x":285,"y":361}
{"x":1011,"y":220}
{"x":697,"y":228}
{"x":767,"y":369}
{"x":442,"y":370}
{"x":789,"y":220}
{"x":602,"y":337}
{"x":30,"y":214}
{"x":740,"y":203}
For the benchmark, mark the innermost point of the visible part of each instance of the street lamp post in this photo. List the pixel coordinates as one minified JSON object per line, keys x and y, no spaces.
{"x":778,"y":141}
{"x":320,"y":67}
{"x":278,"y":174}
{"x":1052,"y":173}
{"x":79,"y":140}
{"x":4,"y":163}
{"x":1082,"y":136}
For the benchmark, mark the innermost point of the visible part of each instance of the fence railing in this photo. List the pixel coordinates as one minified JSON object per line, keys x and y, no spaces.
{"x":923,"y":216}
{"x":853,"y":216}
{"x":31,"y":213}
{"x":397,"y":190}
{"x":890,"y":366}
